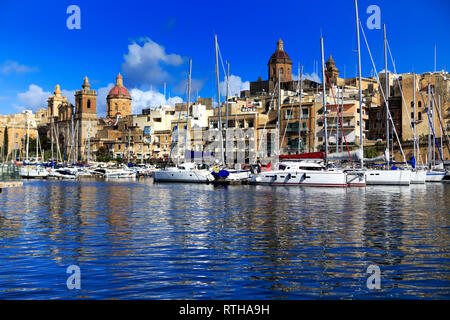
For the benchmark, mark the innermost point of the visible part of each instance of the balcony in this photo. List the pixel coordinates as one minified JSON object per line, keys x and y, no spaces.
{"x":293,"y":127}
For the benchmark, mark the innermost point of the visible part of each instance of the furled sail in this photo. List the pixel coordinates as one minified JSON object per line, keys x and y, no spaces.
{"x":355,"y":154}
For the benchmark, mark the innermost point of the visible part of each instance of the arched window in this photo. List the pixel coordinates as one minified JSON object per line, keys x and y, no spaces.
{"x":123,"y":107}
{"x":420,"y":104}
{"x":116,"y":106}
{"x":412,"y":104}
{"x":281,"y":70}
{"x":420,"y":115}
{"x":89,"y":103}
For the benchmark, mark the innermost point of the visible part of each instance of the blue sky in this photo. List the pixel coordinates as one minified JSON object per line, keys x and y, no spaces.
{"x":150,"y":43}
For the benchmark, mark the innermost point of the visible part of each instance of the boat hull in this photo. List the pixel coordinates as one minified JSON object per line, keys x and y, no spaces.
{"x":388,"y":177}
{"x":418,"y":177}
{"x":188,"y":176}
{"x":434,"y":176}
{"x":356,"y":178}
{"x":304,"y":178}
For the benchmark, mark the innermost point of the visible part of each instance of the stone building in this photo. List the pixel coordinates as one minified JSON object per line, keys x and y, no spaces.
{"x":118,"y":100}
{"x":279,"y":62}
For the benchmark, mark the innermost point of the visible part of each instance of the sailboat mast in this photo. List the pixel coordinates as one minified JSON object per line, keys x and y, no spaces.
{"x":279,"y":114}
{"x":28,"y":134}
{"x":187,"y":110}
{"x":386,"y":95}
{"x":300,"y":111}
{"x":324,"y":99}
{"x":361,"y":124}
{"x":226,"y":105}
{"x":51,"y":134}
{"x":429,"y":127}
{"x":414,"y":115}
{"x":434,"y":126}
{"x":440,"y":124}
{"x":218,"y":102}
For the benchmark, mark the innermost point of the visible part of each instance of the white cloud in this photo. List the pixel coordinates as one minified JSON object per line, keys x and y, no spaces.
{"x":236,"y":85}
{"x":10,"y":66}
{"x":144,"y":63}
{"x":34,"y":98}
{"x":150,"y":98}
{"x":313,"y":77}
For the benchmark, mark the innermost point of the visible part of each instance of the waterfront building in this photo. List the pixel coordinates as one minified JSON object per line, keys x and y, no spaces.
{"x":17,"y":126}
{"x":402,"y":110}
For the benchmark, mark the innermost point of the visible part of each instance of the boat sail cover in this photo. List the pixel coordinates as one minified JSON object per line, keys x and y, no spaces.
{"x":356,"y":156}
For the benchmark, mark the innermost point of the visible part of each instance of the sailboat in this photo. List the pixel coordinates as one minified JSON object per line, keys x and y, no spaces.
{"x":436,"y":172}
{"x":188,"y":171}
{"x":222,"y":174}
{"x":389,"y":176}
{"x":309,"y":169}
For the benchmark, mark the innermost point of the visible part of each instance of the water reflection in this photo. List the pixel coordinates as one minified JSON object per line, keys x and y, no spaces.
{"x":136,"y":239}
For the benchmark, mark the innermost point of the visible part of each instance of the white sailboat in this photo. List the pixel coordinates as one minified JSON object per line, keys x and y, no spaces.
{"x":307,"y":169}
{"x":400,"y":176}
{"x":186,"y":172}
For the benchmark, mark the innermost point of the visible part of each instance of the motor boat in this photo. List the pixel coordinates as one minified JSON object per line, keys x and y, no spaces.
{"x":33,"y":172}
{"x":186,"y":172}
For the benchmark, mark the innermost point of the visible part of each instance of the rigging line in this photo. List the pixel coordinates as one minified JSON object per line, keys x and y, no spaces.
{"x":291,"y":115}
{"x":265,"y":124}
{"x":427,"y":110}
{"x":340,"y":120}
{"x":382,"y":92}
{"x":403,"y":98}
{"x":440,"y":122}
{"x":221,"y":60}
{"x":178,"y":127}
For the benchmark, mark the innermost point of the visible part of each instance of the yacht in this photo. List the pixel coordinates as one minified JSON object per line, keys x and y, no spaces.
{"x":186,"y":172}
{"x":435,"y":175}
{"x":307,"y":172}
{"x":388,"y":177}
{"x":123,"y":172}
{"x":33,"y":172}
{"x":418,"y":176}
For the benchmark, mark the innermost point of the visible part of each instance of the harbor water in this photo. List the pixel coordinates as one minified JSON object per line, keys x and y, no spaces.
{"x":143,"y":240}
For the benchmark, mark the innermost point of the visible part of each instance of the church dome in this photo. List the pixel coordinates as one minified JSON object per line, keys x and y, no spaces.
{"x":280,"y":56}
{"x":119,"y":91}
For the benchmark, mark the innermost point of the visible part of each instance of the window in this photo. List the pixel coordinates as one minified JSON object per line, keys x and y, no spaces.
{"x":420,"y":115}
{"x":281,"y":70}
{"x":412,"y":104}
{"x":305,"y":112}
{"x":420,"y":104}
{"x":320,"y":139}
{"x":358,"y":110}
{"x":320,"y":123}
{"x":412,"y":115}
{"x":288,"y":114}
{"x":89,"y":103}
